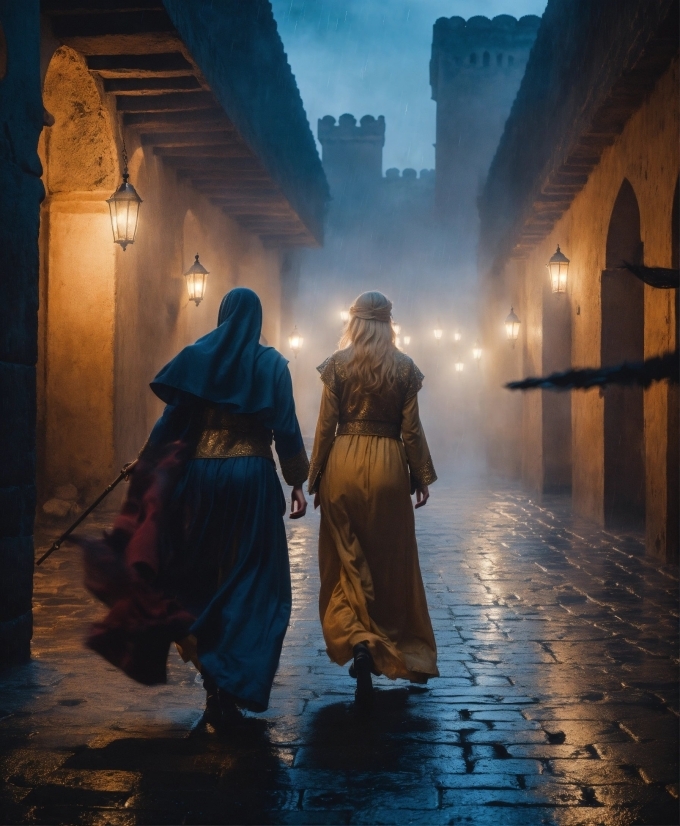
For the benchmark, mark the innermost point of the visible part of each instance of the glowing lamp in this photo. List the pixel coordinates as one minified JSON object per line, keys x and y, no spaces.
{"x":124,"y":209}
{"x":195,"y":277}
{"x":397,"y":329}
{"x":344,"y":316}
{"x":438,"y":332}
{"x":558,"y":267}
{"x":407,"y":340}
{"x":459,"y":366}
{"x":295,"y":341}
{"x":512,"y":326}
{"x":457,"y":335}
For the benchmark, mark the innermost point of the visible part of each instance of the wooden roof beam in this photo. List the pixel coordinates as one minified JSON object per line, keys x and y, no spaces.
{"x":173,"y":102}
{"x":151,"y":85}
{"x":165,"y":64}
{"x":205,"y":120}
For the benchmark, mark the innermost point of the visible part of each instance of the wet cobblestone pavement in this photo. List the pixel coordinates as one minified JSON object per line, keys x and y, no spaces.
{"x":558,"y":701}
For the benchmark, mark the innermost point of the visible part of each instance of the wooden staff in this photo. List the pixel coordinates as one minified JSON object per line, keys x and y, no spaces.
{"x":124,"y":474}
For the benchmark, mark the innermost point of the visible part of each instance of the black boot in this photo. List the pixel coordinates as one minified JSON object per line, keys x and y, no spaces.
{"x":213,"y":711}
{"x":363,"y":665}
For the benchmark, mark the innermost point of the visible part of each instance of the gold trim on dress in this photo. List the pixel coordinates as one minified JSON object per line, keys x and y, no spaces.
{"x":366,"y":427}
{"x":295,"y":469}
{"x":228,"y":435}
{"x":425,"y":474}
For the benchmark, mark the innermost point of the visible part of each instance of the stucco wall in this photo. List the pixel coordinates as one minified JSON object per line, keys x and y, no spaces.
{"x":646,"y":153}
{"x":112,"y":318}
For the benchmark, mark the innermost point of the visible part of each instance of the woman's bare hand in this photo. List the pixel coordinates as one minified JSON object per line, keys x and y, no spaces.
{"x":298,"y":503}
{"x":422,"y":495}
{"x":317,"y":500}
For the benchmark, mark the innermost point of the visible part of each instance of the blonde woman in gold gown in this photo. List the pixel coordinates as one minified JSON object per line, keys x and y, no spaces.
{"x":369,"y":455}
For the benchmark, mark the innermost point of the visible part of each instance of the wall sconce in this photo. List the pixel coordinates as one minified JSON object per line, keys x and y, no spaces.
{"x":512,"y":327}
{"x":295,"y":341}
{"x":124,"y":209}
{"x":344,"y":316}
{"x":396,"y":328}
{"x":195,"y":277}
{"x":407,"y":341}
{"x":477,"y":352}
{"x":459,"y":366}
{"x":457,"y":336}
{"x":558,"y":267}
{"x":438,"y":332}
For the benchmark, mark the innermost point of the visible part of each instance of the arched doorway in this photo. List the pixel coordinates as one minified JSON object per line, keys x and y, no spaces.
{"x":623,"y":340}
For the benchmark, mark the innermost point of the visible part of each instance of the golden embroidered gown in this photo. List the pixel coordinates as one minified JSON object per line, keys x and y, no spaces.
{"x":369,"y":453}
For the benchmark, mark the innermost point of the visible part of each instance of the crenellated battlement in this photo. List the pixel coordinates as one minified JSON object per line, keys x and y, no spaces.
{"x":369,"y":129}
{"x":481,"y":46}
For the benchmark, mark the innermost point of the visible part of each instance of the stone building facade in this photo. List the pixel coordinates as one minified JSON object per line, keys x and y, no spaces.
{"x":221,"y":153}
{"x":589,"y":160}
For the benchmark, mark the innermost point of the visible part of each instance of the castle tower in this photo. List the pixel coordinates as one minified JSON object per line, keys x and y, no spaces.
{"x":351,"y":154}
{"x":475,"y":72}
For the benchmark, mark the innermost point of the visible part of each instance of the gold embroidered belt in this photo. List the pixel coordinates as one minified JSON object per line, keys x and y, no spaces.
{"x":227,"y":435}
{"x":366,"y":427}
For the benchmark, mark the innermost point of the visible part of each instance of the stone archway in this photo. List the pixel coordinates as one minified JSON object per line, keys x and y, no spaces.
{"x":622,"y":339}
{"x":78,"y":282}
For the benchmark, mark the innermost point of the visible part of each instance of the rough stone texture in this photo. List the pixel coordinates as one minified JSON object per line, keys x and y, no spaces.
{"x":557,"y":703}
{"x":20,"y":125}
{"x":646,"y":154}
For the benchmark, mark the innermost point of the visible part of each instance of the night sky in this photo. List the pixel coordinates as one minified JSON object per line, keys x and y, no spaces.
{"x":372,"y":57}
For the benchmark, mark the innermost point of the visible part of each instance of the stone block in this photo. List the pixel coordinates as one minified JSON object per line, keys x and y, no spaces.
{"x":16,"y":582}
{"x":17,"y":414}
{"x":15,"y":639}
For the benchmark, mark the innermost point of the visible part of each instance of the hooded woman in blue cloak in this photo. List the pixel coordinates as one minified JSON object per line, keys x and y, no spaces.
{"x":208,"y":539}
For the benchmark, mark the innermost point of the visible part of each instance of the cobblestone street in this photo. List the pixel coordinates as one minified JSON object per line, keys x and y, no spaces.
{"x":557,"y":704}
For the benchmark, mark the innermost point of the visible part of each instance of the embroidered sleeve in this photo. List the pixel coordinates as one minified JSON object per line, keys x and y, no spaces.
{"x":328,"y":374}
{"x":295,"y":469}
{"x":415,"y":381}
{"x":425,"y":474}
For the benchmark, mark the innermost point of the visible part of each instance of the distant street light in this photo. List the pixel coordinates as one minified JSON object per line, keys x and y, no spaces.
{"x":195,"y":277}
{"x":124,"y":209}
{"x":438,"y":332}
{"x":477,"y":352}
{"x":558,"y":267}
{"x":295,"y":341}
{"x":344,"y":316}
{"x":512,"y":326}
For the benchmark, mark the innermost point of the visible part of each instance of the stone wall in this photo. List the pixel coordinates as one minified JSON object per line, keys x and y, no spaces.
{"x":112,"y":318}
{"x":21,"y":118}
{"x":646,"y":155}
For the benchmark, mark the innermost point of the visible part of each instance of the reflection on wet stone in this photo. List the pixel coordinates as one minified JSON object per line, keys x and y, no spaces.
{"x":557,"y":705}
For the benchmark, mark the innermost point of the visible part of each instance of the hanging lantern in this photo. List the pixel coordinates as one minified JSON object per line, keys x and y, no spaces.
{"x":295,"y":341}
{"x":512,"y":326}
{"x":558,"y":267}
{"x":344,"y":316}
{"x":459,"y":366}
{"x":457,"y":336}
{"x":438,"y":332}
{"x":477,"y":352}
{"x":195,"y":277}
{"x":124,"y":209}
{"x":407,"y":340}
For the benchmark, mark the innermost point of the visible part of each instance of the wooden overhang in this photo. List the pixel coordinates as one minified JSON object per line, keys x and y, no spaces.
{"x":162,"y":93}
{"x":563,"y":118}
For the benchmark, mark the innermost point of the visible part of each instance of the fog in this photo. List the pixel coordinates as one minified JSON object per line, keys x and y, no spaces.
{"x":371,"y":57}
